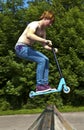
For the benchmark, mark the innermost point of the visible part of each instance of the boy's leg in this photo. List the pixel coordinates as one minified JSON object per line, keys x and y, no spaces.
{"x":26,"y":52}
{"x":42,"y":66}
{"x":46,"y":69}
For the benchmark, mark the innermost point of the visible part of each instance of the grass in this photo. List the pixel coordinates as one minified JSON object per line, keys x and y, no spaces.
{"x":39,"y":110}
{"x":21,"y":111}
{"x":72,"y":109}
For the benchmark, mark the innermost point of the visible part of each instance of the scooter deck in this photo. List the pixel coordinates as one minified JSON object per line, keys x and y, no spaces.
{"x":61,"y":86}
{"x":33,"y":93}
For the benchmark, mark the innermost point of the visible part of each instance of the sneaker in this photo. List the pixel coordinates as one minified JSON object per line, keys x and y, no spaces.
{"x":47,"y":86}
{"x":42,"y":88}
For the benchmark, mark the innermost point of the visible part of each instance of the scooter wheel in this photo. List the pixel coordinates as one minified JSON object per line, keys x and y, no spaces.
{"x":66,"y":90}
{"x":31,"y":94}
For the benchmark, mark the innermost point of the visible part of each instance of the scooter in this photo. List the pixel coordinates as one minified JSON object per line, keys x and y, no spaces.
{"x":62,"y":83}
{"x":61,"y":86}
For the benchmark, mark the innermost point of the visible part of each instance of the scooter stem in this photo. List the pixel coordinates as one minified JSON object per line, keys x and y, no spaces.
{"x":56,"y":61}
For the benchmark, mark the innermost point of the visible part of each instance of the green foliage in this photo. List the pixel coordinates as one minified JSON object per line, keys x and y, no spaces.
{"x":55,"y":99}
{"x":18,"y":77}
{"x":4,"y":105}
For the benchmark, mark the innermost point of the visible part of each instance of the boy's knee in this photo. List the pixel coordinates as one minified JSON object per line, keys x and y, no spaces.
{"x":43,"y":60}
{"x":47,"y":59}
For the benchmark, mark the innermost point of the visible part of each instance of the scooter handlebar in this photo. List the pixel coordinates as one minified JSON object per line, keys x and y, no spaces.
{"x":56,"y":50}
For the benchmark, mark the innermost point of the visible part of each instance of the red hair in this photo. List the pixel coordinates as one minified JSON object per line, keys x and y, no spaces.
{"x":48,"y":15}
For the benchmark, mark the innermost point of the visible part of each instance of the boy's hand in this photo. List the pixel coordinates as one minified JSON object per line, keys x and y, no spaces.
{"x":49,"y":42}
{"x":47,"y":47}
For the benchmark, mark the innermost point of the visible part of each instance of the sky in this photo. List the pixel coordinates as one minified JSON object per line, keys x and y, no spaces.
{"x":25,"y":1}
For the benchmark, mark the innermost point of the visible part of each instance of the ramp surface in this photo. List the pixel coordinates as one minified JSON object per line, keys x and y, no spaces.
{"x":51,"y":119}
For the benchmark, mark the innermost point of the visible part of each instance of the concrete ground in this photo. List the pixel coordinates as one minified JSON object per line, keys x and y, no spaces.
{"x":76,"y":119}
{"x":23,"y":122}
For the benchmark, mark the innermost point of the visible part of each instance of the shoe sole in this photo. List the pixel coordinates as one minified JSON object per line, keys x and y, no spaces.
{"x":44,"y":90}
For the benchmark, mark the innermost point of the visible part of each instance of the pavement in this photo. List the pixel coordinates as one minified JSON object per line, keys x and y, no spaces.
{"x":23,"y":122}
{"x":76,"y":119}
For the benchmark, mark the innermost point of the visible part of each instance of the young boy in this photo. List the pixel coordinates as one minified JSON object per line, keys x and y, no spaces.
{"x":36,"y":32}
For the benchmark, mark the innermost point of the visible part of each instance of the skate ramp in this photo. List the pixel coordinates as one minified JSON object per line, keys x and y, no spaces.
{"x":51,"y":119}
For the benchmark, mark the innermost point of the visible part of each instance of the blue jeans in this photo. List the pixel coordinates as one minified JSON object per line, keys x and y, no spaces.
{"x":28,"y":53}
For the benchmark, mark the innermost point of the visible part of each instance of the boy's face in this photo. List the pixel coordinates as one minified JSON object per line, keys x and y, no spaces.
{"x":48,"y":22}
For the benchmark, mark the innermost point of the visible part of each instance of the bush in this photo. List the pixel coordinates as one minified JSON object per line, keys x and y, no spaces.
{"x":4,"y":105}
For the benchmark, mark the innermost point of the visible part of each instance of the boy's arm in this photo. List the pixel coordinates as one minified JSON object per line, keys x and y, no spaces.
{"x":31,"y":35}
{"x":48,"y":44}
{"x":49,"y":47}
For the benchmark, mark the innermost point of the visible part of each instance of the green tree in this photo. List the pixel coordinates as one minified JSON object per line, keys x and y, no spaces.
{"x":17,"y":76}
